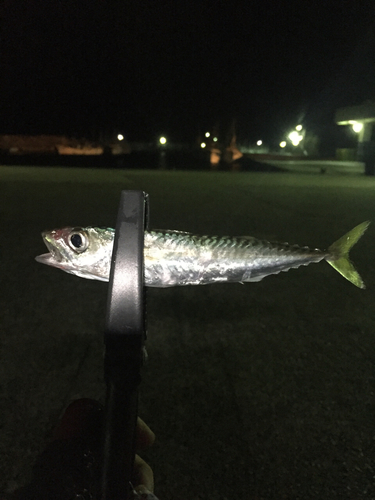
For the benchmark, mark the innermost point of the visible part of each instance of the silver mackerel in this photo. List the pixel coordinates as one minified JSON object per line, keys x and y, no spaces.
{"x":174,"y":258}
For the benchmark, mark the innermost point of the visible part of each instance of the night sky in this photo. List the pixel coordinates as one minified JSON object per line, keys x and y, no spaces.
{"x":173,"y":67}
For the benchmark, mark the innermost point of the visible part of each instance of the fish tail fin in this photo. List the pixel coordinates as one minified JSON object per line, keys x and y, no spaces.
{"x":339,"y":254}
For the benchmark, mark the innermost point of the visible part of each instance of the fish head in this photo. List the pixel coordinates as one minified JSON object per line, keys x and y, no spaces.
{"x":85,"y":252}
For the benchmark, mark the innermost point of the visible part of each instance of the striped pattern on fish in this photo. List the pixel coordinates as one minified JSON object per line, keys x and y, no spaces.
{"x":175,"y":258}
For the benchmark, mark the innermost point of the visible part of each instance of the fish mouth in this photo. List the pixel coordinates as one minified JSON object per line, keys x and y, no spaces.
{"x":50,"y":260}
{"x":54,"y":257}
{"x":45,"y":258}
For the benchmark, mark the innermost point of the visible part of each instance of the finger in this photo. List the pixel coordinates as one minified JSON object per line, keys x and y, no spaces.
{"x":144,"y":435}
{"x":143,"y":475}
{"x":144,"y":494}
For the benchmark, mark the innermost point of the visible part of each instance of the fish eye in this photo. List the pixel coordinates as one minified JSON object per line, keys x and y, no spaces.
{"x":78,"y":241}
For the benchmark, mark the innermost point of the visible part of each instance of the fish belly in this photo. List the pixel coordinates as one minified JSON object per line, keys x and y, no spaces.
{"x":178,"y":259}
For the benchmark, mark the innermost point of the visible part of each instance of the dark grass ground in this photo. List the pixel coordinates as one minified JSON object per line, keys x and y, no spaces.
{"x":256,"y":391}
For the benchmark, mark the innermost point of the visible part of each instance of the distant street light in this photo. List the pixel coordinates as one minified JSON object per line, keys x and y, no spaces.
{"x":259,"y":143}
{"x":295,"y":138}
{"x":203,"y":145}
{"x":299,"y":128}
{"x":120,"y":137}
{"x":215,"y":139}
{"x":357,"y":127}
{"x":163,"y":140}
{"x":282,"y":144}
{"x":207,"y":134}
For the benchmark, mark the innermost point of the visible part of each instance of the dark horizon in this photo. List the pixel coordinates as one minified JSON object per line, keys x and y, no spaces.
{"x":145,"y":70}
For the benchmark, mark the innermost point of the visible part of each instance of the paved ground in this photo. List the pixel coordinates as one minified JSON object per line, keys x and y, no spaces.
{"x":319,"y":166}
{"x":257,"y":391}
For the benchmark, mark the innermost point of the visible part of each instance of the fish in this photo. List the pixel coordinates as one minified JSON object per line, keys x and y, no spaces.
{"x":177,"y":258}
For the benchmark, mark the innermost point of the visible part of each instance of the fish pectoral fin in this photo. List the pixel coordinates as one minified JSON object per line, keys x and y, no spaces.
{"x":339,"y":251}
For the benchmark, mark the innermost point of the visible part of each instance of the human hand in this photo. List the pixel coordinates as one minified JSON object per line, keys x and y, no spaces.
{"x":143,"y":477}
{"x":58,"y":471}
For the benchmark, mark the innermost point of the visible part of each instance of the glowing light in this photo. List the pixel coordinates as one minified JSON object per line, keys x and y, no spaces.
{"x":215,"y":156}
{"x":163,"y":140}
{"x":120,"y":137}
{"x":357,"y":127}
{"x":215,"y":139}
{"x":207,"y":134}
{"x":295,"y":138}
{"x":203,"y":145}
{"x":299,"y":128}
{"x":259,"y":143}
{"x":282,"y":144}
